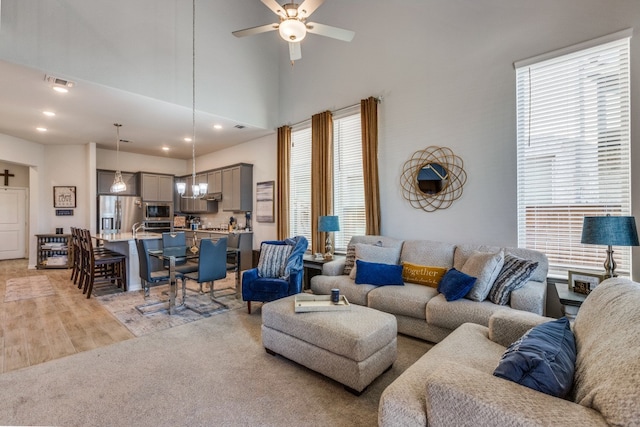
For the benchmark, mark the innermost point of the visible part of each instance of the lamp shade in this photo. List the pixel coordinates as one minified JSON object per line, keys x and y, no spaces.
{"x":328,"y":223}
{"x":610,"y":230}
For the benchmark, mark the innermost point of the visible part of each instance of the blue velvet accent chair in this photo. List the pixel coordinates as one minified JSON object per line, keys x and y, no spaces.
{"x":265,"y":289}
{"x":212,"y":264}
{"x":148,"y":274}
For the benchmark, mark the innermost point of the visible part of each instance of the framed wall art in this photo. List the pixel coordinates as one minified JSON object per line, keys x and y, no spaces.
{"x":583,"y":282}
{"x":64,"y":196}
{"x":264,"y":201}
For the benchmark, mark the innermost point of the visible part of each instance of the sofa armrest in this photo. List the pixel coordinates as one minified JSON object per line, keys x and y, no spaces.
{"x":333,"y":268}
{"x":462,"y":396}
{"x":506,"y":326}
{"x":531,"y":297}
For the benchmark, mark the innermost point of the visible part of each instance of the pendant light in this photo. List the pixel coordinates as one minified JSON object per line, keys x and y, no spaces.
{"x":118,"y":185}
{"x":198,"y":191}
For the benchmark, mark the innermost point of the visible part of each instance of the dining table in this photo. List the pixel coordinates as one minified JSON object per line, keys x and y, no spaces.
{"x":176,"y":252}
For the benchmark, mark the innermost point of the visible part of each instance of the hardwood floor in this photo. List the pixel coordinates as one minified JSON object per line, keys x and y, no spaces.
{"x":39,"y":329}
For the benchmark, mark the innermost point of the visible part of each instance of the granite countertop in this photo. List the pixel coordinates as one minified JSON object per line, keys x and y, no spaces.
{"x":213,"y":231}
{"x":124,"y":237}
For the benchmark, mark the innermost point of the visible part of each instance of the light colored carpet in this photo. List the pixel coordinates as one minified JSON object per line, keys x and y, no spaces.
{"x":146,"y":315}
{"x":209,"y":372}
{"x":27,"y":288}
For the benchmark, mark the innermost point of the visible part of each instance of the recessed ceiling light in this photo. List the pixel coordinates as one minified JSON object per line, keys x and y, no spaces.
{"x":49,"y":113}
{"x":60,"y":89}
{"x":187,"y":139}
{"x":165,"y":148}
{"x":217,"y":126}
{"x":41,"y":129}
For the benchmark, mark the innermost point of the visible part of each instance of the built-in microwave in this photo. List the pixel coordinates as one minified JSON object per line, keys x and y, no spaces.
{"x":154,"y":211}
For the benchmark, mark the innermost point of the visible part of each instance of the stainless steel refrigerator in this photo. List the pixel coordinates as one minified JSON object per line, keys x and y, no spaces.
{"x":118,"y":214}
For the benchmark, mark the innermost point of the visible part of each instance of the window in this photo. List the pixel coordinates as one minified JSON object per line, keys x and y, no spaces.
{"x":300,"y":182}
{"x":348,"y":181}
{"x":573,"y":151}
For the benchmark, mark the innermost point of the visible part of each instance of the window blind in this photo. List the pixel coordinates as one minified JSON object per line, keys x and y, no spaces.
{"x":348,"y":180}
{"x":573,"y":150}
{"x":300,"y":182}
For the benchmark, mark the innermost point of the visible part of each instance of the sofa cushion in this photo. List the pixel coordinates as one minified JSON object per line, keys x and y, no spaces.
{"x":378,"y":254}
{"x":455,"y":284}
{"x":485,"y":267}
{"x":428,"y":252}
{"x":273,"y":260}
{"x":542,"y":359}
{"x":608,"y":341}
{"x":408,"y":300}
{"x":422,"y":274}
{"x":350,"y":258}
{"x":514,"y":274}
{"x":374,"y":273}
{"x":452,"y":314}
{"x":356,"y":294}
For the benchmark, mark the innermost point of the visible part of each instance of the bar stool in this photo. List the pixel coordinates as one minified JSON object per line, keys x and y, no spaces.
{"x":100,"y":267}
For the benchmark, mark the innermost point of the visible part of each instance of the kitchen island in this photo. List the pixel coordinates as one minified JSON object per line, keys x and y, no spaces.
{"x":125,"y":244}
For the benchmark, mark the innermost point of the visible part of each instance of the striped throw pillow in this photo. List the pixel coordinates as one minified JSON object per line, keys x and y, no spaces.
{"x":273,"y":260}
{"x":514,"y":274}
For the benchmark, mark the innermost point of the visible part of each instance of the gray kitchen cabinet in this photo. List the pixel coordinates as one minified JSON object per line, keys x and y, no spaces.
{"x":214,"y":180}
{"x":237,"y":188}
{"x":156,"y":188}
{"x":105,"y":179}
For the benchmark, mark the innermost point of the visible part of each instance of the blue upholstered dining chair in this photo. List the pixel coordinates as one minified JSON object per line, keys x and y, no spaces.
{"x":176,"y":244}
{"x":148,"y":275}
{"x":279,"y":272}
{"x":212,"y":264}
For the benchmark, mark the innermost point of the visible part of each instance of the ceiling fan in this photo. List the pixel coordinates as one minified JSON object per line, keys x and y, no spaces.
{"x":293,"y":25}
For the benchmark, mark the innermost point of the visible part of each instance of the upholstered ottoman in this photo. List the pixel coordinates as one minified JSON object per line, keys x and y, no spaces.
{"x":352,"y":347}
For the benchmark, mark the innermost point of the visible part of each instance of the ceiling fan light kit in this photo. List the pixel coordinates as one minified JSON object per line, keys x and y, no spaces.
{"x":293,"y":26}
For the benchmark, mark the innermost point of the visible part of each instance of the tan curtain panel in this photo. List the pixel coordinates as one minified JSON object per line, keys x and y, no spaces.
{"x":369,"y":118}
{"x":284,"y":163}
{"x":321,"y":174}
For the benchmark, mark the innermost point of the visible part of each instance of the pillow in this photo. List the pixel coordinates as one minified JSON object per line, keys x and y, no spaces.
{"x":514,"y":274}
{"x":273,"y":260}
{"x":455,"y":284}
{"x":373,"y":273}
{"x":350,"y":259}
{"x":422,"y":274}
{"x":542,"y":359}
{"x":373,"y":253}
{"x":485,"y":267}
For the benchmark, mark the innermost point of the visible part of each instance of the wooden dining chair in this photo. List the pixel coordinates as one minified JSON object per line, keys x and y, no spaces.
{"x":101,"y":267}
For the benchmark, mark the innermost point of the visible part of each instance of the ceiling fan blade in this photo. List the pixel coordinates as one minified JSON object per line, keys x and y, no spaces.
{"x":308,"y":7}
{"x":295,"y":51}
{"x":275,"y":7}
{"x":255,"y":30}
{"x":329,"y":31}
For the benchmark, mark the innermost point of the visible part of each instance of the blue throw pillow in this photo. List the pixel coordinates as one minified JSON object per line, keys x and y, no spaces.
{"x":542,"y":359}
{"x":374,"y":273}
{"x":455,"y":284}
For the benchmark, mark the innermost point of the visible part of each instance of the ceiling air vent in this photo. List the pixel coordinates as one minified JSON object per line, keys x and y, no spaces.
{"x":58,"y":81}
{"x":239,"y":126}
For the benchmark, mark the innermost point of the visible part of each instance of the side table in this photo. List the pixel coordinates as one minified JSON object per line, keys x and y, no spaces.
{"x":571,"y":301}
{"x":313,"y":267}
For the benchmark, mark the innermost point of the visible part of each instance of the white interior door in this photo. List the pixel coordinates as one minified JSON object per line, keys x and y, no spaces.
{"x":12,"y":223}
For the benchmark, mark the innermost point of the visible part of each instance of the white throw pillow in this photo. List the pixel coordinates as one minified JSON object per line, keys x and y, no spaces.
{"x":371,"y":253}
{"x":485,"y":267}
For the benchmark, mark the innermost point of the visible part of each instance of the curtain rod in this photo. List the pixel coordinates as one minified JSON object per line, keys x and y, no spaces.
{"x":379,"y":99}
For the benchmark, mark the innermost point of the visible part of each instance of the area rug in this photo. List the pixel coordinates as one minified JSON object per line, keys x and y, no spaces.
{"x":28,"y":287}
{"x":146,"y":315}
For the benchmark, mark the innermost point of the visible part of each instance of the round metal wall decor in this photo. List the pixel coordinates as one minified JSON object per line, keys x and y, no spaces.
{"x":433,"y":178}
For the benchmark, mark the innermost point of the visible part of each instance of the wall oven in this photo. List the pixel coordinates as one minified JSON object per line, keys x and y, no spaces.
{"x":154,"y":211}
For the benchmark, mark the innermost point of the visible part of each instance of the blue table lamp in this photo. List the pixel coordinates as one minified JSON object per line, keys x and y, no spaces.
{"x":611,"y":231}
{"x":328,"y":224}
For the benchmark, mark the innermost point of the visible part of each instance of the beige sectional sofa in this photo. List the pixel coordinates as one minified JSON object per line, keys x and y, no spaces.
{"x":421,"y":311}
{"x":453,"y":383}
